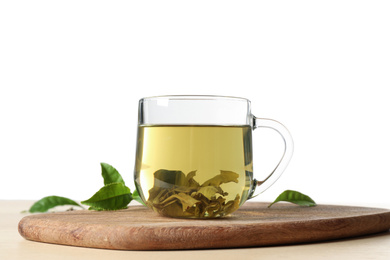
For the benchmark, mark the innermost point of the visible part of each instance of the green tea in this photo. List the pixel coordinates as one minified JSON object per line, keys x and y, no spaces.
{"x":194,"y":171}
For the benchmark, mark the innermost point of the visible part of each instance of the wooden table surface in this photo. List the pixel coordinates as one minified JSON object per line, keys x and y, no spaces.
{"x":13,"y":246}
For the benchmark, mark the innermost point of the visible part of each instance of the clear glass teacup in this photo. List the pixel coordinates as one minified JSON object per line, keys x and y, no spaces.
{"x":194,"y":155}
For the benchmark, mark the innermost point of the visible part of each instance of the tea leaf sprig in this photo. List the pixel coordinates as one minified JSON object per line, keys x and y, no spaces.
{"x":113,"y":195}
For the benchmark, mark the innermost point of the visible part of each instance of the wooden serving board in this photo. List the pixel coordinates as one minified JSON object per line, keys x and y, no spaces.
{"x":139,"y":228}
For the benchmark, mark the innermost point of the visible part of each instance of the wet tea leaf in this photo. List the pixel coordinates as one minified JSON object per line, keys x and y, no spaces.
{"x":112,"y":196}
{"x":185,"y":200}
{"x":110,"y":174}
{"x":46,"y":203}
{"x":223,"y":177}
{"x":210,"y":191}
{"x":167,"y":178}
{"x":294,"y":197}
{"x":180,"y":195}
{"x":174,"y":209}
{"x":190,"y":182}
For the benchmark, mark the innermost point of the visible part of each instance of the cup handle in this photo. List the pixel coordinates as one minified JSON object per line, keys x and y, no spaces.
{"x":261,"y":186}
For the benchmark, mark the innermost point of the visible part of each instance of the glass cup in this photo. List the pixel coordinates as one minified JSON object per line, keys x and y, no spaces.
{"x":194,"y":155}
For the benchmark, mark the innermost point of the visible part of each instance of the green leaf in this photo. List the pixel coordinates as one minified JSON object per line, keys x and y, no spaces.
{"x":112,"y":196}
{"x":97,"y":209}
{"x":294,"y":197}
{"x":136,"y":197}
{"x":49,"y":202}
{"x":110,"y":174}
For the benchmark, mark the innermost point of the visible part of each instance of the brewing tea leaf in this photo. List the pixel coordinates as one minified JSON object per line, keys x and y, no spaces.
{"x":49,"y":202}
{"x":112,"y":196}
{"x":110,"y":174}
{"x":223,"y":177}
{"x":177,"y":194}
{"x":190,"y":182}
{"x":168,"y":178}
{"x":210,"y":191}
{"x":185,"y":200}
{"x":295,"y":197}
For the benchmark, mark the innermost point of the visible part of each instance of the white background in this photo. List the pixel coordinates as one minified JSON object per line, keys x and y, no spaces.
{"x":72,"y":72}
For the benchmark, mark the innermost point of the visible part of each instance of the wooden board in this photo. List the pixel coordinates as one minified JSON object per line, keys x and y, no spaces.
{"x":139,"y":228}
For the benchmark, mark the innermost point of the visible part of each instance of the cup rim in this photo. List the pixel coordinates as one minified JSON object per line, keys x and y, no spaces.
{"x":195,"y":97}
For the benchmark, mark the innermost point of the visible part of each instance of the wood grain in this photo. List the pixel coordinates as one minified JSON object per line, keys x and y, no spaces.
{"x":139,"y":228}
